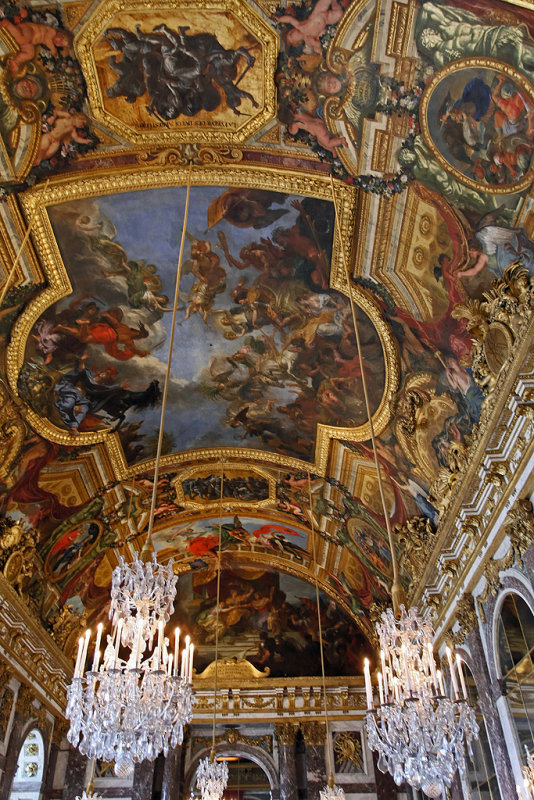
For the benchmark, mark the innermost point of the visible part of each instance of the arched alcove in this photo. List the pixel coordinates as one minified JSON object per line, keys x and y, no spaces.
{"x":30,"y":768}
{"x":252,"y":773}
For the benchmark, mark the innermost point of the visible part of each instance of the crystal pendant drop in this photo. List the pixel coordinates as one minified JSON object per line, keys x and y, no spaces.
{"x":332,"y":793}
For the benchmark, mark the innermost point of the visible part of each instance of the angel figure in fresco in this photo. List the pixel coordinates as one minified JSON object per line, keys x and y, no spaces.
{"x":309,"y":30}
{"x":29,"y":36}
{"x":211,"y":279}
{"x":64,"y":128}
{"x":108,"y":329}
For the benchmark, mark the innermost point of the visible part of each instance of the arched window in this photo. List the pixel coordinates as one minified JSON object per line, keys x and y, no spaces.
{"x":481,"y":769}
{"x":30,"y":767}
{"x":515,"y":643}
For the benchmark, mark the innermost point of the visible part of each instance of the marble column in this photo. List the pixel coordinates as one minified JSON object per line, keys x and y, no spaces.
{"x":286,"y":734}
{"x":489,"y":693}
{"x":75,"y":775}
{"x":12,"y":755}
{"x":50,"y":769}
{"x":171,"y":787}
{"x":143,"y":779}
{"x":314,"y":736}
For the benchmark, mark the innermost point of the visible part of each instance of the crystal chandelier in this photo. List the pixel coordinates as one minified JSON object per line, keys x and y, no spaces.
{"x":131,"y":709}
{"x":528,"y":778}
{"x":418,"y":732}
{"x":212,"y":775}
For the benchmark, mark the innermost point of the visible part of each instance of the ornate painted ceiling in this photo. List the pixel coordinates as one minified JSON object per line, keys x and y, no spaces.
{"x":347,"y":160}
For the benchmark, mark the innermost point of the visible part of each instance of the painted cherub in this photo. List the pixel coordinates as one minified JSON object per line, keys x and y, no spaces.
{"x":65,"y":128}
{"x":325,"y":12}
{"x":29,"y":35}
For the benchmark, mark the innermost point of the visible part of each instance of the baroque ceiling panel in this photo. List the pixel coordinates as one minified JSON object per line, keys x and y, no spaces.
{"x":357,"y":163}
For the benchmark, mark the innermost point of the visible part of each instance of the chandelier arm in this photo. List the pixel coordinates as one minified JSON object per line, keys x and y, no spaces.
{"x":219,"y":565}
{"x":320,"y":628}
{"x":397,"y":591}
{"x":148,"y":547}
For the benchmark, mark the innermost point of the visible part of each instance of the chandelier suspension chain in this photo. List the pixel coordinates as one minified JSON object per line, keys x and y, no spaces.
{"x":148,"y":546}
{"x":320,"y":628}
{"x":397,"y":592}
{"x":218,"y":593}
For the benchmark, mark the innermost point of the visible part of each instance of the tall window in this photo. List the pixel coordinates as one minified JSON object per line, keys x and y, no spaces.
{"x":480,"y":770}
{"x":30,"y":768}
{"x":515,"y":638}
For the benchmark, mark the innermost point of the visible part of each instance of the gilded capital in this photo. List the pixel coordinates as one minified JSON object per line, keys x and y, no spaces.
{"x":286,"y":733}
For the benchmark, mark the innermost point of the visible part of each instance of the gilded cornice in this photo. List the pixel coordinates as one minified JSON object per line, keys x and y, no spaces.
{"x":34,"y":657}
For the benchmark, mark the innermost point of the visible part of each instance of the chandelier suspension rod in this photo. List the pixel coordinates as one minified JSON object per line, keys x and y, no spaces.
{"x":320,"y":628}
{"x":148,"y":547}
{"x":397,"y":592}
{"x":219,"y":566}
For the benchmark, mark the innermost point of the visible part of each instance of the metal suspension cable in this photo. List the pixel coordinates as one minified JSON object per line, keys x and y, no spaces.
{"x":397,"y":592}
{"x":320,"y":629}
{"x":219,"y":566}
{"x":148,"y":547}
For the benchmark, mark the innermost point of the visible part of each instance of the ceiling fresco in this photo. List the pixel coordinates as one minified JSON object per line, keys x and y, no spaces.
{"x":346,"y":159}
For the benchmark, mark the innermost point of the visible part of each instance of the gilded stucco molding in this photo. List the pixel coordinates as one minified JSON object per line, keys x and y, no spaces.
{"x":466,"y":617}
{"x":500,"y":444}
{"x":32,"y":655}
{"x":285,"y":733}
{"x":233,"y":737}
{"x":416,"y":539}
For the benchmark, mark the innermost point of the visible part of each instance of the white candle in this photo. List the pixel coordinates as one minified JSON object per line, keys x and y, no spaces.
{"x":384,"y":673}
{"x":84,"y":651}
{"x":176,"y":649}
{"x":433,"y":667}
{"x":461,"y":674}
{"x":380,"y":689}
{"x":78,"y":657}
{"x":96,"y":656}
{"x":169,"y":664}
{"x":185,"y":658}
{"x":440,"y":683}
{"x":190,"y":673}
{"x":117,"y":642}
{"x":453,"y":674}
{"x":368,"y":686}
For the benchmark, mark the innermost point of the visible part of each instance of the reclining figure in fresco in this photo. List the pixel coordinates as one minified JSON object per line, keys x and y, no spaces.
{"x":182,"y":74}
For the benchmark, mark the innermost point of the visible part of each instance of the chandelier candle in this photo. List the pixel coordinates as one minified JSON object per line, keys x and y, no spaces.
{"x":418,"y":732}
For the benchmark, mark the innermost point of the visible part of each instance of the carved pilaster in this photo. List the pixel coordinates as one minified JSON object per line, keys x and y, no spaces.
{"x":61,"y":727}
{"x":520,"y":528}
{"x":314,"y":733}
{"x":25,"y":700}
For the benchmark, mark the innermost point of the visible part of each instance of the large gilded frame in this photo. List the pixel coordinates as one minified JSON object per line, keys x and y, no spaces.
{"x":163,"y":136}
{"x":35,"y":203}
{"x":449,"y":69}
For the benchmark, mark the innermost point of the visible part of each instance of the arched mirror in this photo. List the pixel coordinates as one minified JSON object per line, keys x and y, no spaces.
{"x":30,"y":768}
{"x":246,"y":780}
{"x":480,"y":769}
{"x":515,"y":647}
